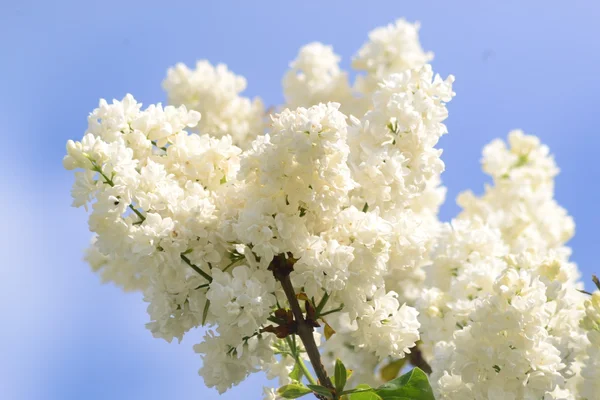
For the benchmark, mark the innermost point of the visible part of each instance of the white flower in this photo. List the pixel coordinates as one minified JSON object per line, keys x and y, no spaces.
{"x":387,"y":329}
{"x":590,"y":384}
{"x":521,"y":202}
{"x":394,"y":158}
{"x":339,"y":198}
{"x":215,"y":93}
{"x":160,"y":125}
{"x":241,"y":300}
{"x":506,"y":348}
{"x":315,"y":77}
{"x":391,"y":49}
{"x":224,"y":366}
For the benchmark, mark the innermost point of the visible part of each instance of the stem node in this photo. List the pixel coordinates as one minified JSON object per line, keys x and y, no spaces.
{"x":281,"y":267}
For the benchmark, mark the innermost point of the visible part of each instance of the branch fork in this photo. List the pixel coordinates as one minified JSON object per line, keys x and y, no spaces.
{"x":282,"y":266}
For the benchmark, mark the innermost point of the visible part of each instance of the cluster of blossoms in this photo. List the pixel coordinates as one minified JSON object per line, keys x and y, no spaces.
{"x":501,"y":309}
{"x":589,"y":386}
{"x":215,"y":93}
{"x":313,"y":233}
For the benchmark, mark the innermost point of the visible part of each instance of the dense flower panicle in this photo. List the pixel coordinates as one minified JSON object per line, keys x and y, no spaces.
{"x":116,"y":270}
{"x":226,"y":218}
{"x":215,"y":93}
{"x":304,"y":160}
{"x":506,"y":350}
{"x":521,"y":202}
{"x":501,"y":279}
{"x":591,"y":321}
{"x":589,"y":386}
{"x":315,"y":77}
{"x":395,"y":159}
{"x":467,"y":259}
{"x":151,"y":203}
{"x":391,"y":49}
{"x":295,"y":180}
{"x":224,"y":366}
{"x":387,"y":328}
{"x":242,"y":298}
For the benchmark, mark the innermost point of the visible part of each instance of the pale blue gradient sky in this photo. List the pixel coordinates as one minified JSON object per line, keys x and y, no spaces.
{"x":519,"y":64}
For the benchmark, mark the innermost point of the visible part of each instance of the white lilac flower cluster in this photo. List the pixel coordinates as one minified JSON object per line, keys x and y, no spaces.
{"x":315,"y":77}
{"x":215,"y":93}
{"x":501,"y":306}
{"x":589,"y":386}
{"x":215,"y":214}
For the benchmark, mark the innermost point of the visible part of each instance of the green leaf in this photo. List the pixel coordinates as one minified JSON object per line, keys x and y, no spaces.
{"x":321,"y":390}
{"x":205,"y":311}
{"x":340,"y":375}
{"x":328,"y":331}
{"x":413,"y":385}
{"x":293,"y":391}
{"x":367,"y":395}
{"x":391,"y":370}
{"x":296,"y":373}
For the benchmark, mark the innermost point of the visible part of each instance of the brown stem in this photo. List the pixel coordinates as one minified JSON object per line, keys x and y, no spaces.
{"x":281,"y":268}
{"x":416,"y":359}
{"x":305,"y":331}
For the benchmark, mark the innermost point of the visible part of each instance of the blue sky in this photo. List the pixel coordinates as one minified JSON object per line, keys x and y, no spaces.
{"x":519,"y":64}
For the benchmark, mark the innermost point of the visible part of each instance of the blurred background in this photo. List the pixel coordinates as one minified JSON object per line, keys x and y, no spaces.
{"x":519,"y":64}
